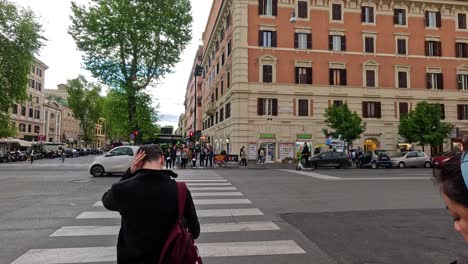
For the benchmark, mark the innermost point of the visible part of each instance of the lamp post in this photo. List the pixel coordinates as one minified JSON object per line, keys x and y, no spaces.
{"x":198,"y":72}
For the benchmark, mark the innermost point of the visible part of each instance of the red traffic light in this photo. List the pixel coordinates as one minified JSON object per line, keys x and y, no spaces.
{"x":191,"y":134}
{"x":135,"y":133}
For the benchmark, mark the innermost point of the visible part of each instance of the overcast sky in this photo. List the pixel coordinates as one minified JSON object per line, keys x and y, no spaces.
{"x":64,"y":60}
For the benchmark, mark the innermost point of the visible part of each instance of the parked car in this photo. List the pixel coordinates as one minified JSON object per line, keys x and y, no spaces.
{"x":443,"y":157}
{"x":375,"y":159}
{"x":330,"y":159}
{"x":118,"y":160}
{"x":411,"y":159}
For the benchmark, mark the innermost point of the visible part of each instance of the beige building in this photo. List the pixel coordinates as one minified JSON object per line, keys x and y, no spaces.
{"x":268,"y":81}
{"x":53,"y":121}
{"x":28,"y":117}
{"x":100,"y":134}
{"x":181,"y":126}
{"x":190,"y":99}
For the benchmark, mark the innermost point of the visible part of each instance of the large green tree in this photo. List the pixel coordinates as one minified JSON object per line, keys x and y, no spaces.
{"x":343,"y":123}
{"x":86,"y":103}
{"x":128,"y":44}
{"x":115,"y":114}
{"x":423,"y":125}
{"x":20,"y":38}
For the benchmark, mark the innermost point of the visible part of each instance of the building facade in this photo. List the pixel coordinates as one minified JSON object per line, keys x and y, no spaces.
{"x":189,"y":102}
{"x":53,"y":121}
{"x":28,"y":117}
{"x":100,"y":134}
{"x":269,"y":78}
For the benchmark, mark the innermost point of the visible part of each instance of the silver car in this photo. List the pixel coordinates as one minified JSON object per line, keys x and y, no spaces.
{"x":411,"y":159}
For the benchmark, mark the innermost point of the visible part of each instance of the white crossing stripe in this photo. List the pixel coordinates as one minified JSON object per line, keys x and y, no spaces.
{"x":206,"y":194}
{"x":209,"y":184}
{"x":213,"y":188}
{"x":222,"y":201}
{"x":312,"y":174}
{"x":108,"y":254}
{"x":200,"y":213}
{"x":205,"y":201}
{"x":384,"y":178}
{"x":205,"y":228}
{"x":202,"y":181}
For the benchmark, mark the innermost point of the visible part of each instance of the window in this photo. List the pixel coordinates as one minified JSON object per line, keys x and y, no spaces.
{"x":371,"y":110}
{"x":337,"y":43}
{"x":303,"y":75}
{"x":461,"y":50}
{"x":267,"y":73}
{"x":15,"y":109}
{"x":29,"y":128}
{"x":216,"y":117}
{"x":37,"y":129}
{"x":402,"y":79}
{"x":23,"y":110}
{"x":228,"y":80}
{"x":221,"y":114}
{"x":399,"y":17}
{"x":336,"y":12}
{"x":461,"y":109}
{"x":337,"y":103}
{"x":31,"y":112}
{"x":216,"y":93}
{"x":462,"y":21}
{"x":401,"y":46}
{"x":39,"y":72}
{"x":228,"y":110}
{"x":267,"y":106}
{"x":229,"y":48}
{"x":367,"y":14}
{"x":433,"y":48}
{"x":221,"y":34}
{"x":22,"y":127}
{"x":303,"y":107}
{"x":267,"y":39}
{"x":433,"y":19}
{"x":222,"y":59}
{"x":302,"y":9}
{"x":435,"y":81}
{"x":338,"y":77}
{"x":222,"y":87}
{"x":32,"y":84}
{"x":37,"y":114}
{"x":369,"y":44}
{"x":403,"y":108}
{"x":302,"y":40}
{"x":228,"y":21}
{"x":370,"y":78}
{"x":462,"y":82}
{"x":37,"y":100}
{"x":38,"y":86}
{"x":33,"y":69}
{"x":217,"y":68}
{"x":268,"y":7}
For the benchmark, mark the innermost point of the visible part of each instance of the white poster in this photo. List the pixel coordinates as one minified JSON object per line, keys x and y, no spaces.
{"x":286,"y":150}
{"x":252,"y":152}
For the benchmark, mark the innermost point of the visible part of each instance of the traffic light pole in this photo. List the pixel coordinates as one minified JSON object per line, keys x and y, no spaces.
{"x":195,"y":113}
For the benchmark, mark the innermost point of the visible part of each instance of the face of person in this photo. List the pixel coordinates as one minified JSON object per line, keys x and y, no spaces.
{"x":460,"y":216}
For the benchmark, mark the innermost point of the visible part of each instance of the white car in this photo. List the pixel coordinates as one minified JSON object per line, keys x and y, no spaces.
{"x":117,"y":160}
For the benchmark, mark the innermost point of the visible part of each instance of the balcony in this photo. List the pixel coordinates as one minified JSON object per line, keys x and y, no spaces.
{"x":210,"y":108}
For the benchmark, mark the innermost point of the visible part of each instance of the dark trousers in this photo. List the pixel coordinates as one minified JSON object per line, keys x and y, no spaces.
{"x":184,"y":163}
{"x":194,"y":163}
{"x":201,"y":162}
{"x":168,"y":164}
{"x":243,"y":162}
{"x":211,"y":162}
{"x":32,"y":159}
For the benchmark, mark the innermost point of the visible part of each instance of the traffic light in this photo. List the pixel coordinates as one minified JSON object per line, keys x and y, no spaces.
{"x":135,"y":132}
{"x":191,"y":134}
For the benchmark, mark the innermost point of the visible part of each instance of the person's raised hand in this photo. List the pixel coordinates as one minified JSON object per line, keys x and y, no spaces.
{"x":138,"y":161}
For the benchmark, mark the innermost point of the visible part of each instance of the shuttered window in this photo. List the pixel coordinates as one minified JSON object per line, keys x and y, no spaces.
{"x":367,"y":14}
{"x":337,"y":43}
{"x":267,"y":39}
{"x":399,"y":17}
{"x":462,"y":112}
{"x":402,"y":79}
{"x":435,"y":81}
{"x":337,"y":103}
{"x":268,"y":7}
{"x":462,"y":82}
{"x":371,"y":110}
{"x":433,"y":48}
{"x":267,"y":73}
{"x":433,"y":19}
{"x":462,"y":21}
{"x":461,"y":50}
{"x":302,"y":9}
{"x":403,"y":107}
{"x":338,"y":77}
{"x":336,"y":12}
{"x":302,"y":41}
{"x":369,"y":44}
{"x":228,"y":110}
{"x":267,"y":106}
{"x":401,"y":46}
{"x":370,"y":78}
{"x":303,"y":75}
{"x":303,"y":107}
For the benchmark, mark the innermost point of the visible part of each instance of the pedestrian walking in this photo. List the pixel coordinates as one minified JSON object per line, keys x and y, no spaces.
{"x":173,"y":156}
{"x":306,"y":154}
{"x":243,"y":155}
{"x":209,"y":157}
{"x":147,"y":199}
{"x":202,"y":157}
{"x":183,"y":157}
{"x":262,"y":155}
{"x":31,"y":156}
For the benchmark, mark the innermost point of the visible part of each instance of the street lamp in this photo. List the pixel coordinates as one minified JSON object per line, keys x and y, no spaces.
{"x":293,"y":18}
{"x":198,"y":72}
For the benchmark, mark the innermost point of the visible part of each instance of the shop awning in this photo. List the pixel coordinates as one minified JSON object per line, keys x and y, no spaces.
{"x":20,"y":142}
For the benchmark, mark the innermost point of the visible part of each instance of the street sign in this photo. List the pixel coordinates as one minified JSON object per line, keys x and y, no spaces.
{"x":132,"y":136}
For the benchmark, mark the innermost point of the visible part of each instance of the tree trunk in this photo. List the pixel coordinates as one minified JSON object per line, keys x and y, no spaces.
{"x":132,"y":105}
{"x":422,"y":147}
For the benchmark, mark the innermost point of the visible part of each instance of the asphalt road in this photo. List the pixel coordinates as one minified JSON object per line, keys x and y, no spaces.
{"x":325,"y":216}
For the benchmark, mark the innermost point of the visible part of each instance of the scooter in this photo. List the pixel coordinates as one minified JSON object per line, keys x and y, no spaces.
{"x":301,"y":165}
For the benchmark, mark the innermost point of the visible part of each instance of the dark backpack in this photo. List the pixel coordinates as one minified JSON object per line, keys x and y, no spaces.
{"x":179,"y":247}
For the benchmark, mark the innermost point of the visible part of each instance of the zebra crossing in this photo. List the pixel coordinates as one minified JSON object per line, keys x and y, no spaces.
{"x":57,"y":163}
{"x":232,"y":229}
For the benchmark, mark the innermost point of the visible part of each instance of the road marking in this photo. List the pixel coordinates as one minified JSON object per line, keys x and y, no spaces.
{"x":202,"y":180}
{"x":108,"y":254}
{"x":201,"y":194}
{"x":213,"y":189}
{"x":68,"y":231}
{"x":209,"y":184}
{"x":222,"y":201}
{"x":384,"y":178}
{"x":312,"y":174}
{"x":200,"y":213}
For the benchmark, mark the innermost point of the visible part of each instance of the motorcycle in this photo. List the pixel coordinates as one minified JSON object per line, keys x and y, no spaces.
{"x":301,"y":165}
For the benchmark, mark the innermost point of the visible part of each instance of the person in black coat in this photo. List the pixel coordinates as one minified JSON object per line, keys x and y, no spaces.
{"x":146,"y":198}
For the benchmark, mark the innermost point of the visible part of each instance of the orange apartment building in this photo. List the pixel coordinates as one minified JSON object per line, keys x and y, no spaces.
{"x":189,"y":102}
{"x":268,"y":80}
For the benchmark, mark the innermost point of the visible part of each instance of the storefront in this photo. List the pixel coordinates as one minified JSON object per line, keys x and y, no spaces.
{"x":300,"y":140}
{"x":268,"y":143}
{"x":371,"y":144}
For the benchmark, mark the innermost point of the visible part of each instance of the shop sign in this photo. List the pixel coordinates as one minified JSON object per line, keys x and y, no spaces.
{"x":304,"y":136}
{"x":268,"y":136}
{"x":252,"y":151}
{"x":286,"y":150}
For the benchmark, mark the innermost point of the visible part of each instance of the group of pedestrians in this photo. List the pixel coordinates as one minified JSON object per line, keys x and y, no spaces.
{"x":180,"y":156}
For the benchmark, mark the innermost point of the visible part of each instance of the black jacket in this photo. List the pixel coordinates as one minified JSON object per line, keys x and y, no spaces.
{"x":147,"y":202}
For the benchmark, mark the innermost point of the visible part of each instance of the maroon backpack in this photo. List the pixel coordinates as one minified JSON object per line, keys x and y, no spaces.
{"x":179,"y":247}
